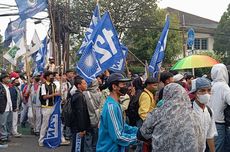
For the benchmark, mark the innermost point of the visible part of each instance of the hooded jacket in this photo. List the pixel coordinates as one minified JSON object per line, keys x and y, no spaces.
{"x":93,"y":100}
{"x":220,"y":93}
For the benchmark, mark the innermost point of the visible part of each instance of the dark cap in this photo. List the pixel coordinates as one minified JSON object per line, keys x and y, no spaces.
{"x":3,"y":75}
{"x":200,"y":83}
{"x":151,"y":80}
{"x":117,"y":77}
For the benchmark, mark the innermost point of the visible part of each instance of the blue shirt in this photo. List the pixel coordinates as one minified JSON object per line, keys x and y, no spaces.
{"x":114,"y":134}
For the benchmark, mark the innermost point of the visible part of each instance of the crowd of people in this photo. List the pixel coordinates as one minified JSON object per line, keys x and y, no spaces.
{"x":114,"y":113}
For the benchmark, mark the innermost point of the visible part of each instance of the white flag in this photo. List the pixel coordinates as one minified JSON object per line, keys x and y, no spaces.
{"x":15,"y":52}
{"x":35,"y":44}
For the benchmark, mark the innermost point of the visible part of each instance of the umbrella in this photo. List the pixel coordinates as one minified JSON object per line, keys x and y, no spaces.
{"x":194,"y":61}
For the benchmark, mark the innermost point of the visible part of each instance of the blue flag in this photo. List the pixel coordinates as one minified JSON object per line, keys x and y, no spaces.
{"x":53,"y":135}
{"x":158,"y":55}
{"x":120,"y":64}
{"x":103,"y":50}
{"x":28,"y":8}
{"x":14,"y":31}
{"x":41,"y":57}
{"x":95,"y":19}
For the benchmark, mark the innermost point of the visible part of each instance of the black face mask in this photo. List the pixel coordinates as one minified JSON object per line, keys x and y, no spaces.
{"x":51,"y":80}
{"x":17,"y":84}
{"x":123,"y":90}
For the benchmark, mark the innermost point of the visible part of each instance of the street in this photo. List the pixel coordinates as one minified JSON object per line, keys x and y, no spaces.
{"x":28,"y":143}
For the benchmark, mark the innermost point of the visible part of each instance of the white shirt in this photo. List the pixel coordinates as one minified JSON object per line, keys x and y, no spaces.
{"x":8,"y":97}
{"x":208,"y":123}
{"x":58,"y":86}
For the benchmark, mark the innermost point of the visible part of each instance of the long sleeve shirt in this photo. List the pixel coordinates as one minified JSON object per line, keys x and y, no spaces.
{"x":114,"y":134}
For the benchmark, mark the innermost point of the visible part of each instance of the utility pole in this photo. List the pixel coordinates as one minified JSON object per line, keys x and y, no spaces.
{"x":184,"y":41}
{"x":66,"y":41}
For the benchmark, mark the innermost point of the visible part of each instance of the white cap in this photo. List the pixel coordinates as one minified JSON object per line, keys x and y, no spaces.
{"x":178,"y":77}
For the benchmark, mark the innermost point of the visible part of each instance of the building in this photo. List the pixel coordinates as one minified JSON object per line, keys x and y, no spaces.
{"x":204,"y":30}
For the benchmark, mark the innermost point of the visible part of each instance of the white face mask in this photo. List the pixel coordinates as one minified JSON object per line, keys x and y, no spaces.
{"x":204,"y":99}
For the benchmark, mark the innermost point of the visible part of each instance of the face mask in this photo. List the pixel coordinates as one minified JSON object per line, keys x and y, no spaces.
{"x":17,"y":84}
{"x":204,"y":99}
{"x":51,"y":80}
{"x":123,"y":90}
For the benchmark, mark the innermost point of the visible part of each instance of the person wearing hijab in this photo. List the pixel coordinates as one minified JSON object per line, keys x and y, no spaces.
{"x":173,"y":126}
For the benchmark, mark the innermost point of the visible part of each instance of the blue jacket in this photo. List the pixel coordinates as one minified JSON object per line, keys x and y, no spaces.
{"x":114,"y":134}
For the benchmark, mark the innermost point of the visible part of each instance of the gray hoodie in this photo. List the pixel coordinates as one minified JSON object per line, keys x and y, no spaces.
{"x":93,"y":100}
{"x":220,"y":93}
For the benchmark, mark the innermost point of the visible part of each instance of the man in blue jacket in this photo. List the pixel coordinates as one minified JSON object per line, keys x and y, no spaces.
{"x":114,"y":134}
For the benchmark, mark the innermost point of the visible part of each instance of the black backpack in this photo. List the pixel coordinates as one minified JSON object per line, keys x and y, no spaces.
{"x":227,"y":116}
{"x":67,"y":110}
{"x":132,"y":111}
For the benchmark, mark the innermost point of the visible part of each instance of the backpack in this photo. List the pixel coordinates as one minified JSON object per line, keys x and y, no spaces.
{"x":132,"y":111}
{"x":67,"y":111}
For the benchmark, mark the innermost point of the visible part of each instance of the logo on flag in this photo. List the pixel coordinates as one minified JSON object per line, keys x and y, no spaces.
{"x":103,"y":50}
{"x":120,"y":64}
{"x":35,"y":44}
{"x":31,"y":3}
{"x":93,"y":23}
{"x":158,"y":55}
{"x":29,"y":8}
{"x":41,"y":57}
{"x":14,"y":31}
{"x":53,"y":135}
{"x":15,"y":52}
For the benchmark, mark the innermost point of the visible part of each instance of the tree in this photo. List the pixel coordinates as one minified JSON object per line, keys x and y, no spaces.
{"x":142,"y":42}
{"x":222,"y":37}
{"x":2,"y":52}
{"x":138,"y":23}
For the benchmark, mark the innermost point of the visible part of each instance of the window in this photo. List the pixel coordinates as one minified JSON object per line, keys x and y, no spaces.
{"x":201,"y":44}
{"x":204,"y":44}
{"x":197,"y":44}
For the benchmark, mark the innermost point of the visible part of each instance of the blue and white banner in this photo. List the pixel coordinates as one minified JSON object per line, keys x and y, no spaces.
{"x":95,"y":19}
{"x":53,"y":135}
{"x":120,"y":64}
{"x":158,"y":55}
{"x":41,"y":57}
{"x":14,"y":31}
{"x":103,"y":50}
{"x":28,"y":8}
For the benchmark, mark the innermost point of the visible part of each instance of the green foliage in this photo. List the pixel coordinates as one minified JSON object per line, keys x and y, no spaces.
{"x":222,"y":38}
{"x":137,"y":69}
{"x":142,"y":42}
{"x":139,"y":25}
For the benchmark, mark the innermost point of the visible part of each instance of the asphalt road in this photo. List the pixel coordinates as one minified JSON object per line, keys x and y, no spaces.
{"x":29,"y":143}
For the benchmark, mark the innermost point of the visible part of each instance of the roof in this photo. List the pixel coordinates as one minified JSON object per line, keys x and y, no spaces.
{"x":199,"y":24}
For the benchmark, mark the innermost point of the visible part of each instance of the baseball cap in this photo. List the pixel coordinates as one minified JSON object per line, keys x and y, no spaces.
{"x":117,"y":77}
{"x":200,"y":83}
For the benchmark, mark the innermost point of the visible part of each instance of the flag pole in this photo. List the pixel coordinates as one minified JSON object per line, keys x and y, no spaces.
{"x":127,"y":68}
{"x":52,"y":30}
{"x":26,"y":55}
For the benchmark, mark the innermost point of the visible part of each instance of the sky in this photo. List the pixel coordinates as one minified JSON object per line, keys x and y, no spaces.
{"x":211,"y":9}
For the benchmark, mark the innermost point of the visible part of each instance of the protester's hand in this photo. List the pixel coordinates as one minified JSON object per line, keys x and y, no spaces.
{"x":57,"y":93}
{"x":82,"y":134}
